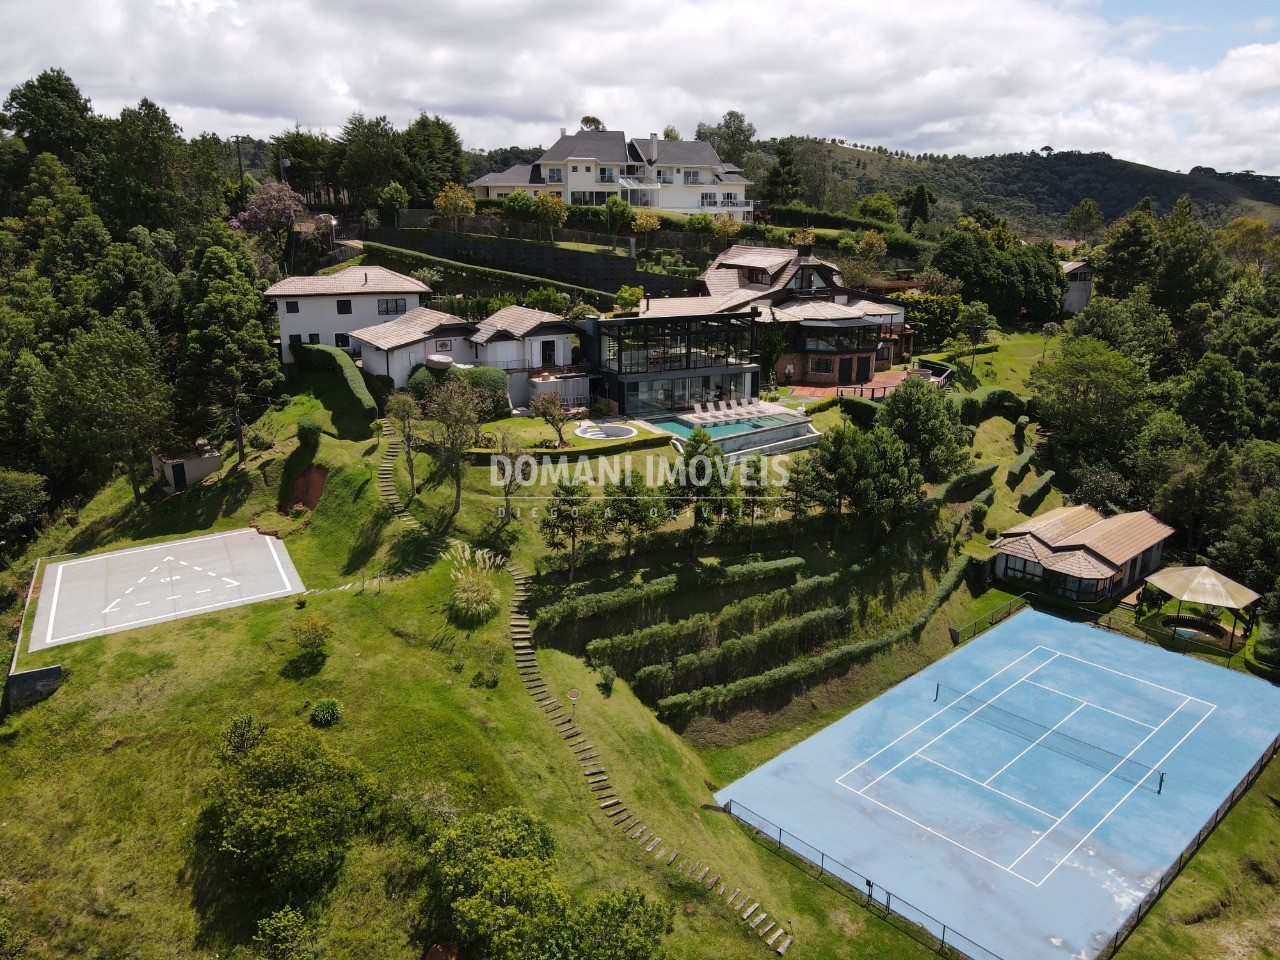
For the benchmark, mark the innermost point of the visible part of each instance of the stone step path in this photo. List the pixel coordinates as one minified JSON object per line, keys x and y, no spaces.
{"x":393,"y":447}
{"x":596,"y":776}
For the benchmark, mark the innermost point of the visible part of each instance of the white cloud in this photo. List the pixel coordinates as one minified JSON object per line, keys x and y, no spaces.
{"x":966,"y":76}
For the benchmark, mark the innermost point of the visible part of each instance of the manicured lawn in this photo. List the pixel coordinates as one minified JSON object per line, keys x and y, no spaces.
{"x":1007,"y":366}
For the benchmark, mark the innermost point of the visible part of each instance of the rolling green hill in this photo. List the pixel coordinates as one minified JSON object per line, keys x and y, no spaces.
{"x":1035,"y":192}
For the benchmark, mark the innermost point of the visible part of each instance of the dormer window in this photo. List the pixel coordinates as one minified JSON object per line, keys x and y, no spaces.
{"x":757,"y":275}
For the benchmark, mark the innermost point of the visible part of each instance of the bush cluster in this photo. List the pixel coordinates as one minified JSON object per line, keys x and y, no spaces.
{"x":322,"y":357}
{"x":612,"y":601}
{"x":490,"y":385}
{"x":1032,"y":496}
{"x":309,"y":431}
{"x":1018,"y":469}
{"x":987,"y":402}
{"x":326,"y":712}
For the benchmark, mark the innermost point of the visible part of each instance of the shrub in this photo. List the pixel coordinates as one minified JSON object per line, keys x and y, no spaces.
{"x":380,"y":387}
{"x":326,"y":712}
{"x":424,"y":380}
{"x":608,"y":676}
{"x":1035,"y":493}
{"x":321,"y":357}
{"x":978,"y":514}
{"x":22,"y":499}
{"x":284,"y":935}
{"x":1020,"y":431}
{"x":987,"y":402}
{"x":285,"y":814}
{"x":309,"y":431}
{"x":1018,"y":469}
{"x":474,"y":573}
{"x":860,"y":410}
{"x":490,"y":385}
{"x":312,"y":632}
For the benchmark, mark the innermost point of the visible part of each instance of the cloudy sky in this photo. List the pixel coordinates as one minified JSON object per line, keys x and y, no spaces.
{"x":1173,"y":83}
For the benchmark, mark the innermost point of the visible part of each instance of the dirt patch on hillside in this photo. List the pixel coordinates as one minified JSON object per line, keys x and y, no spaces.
{"x":308,"y":488}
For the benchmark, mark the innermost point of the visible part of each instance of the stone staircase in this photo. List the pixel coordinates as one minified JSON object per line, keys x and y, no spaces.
{"x":406,"y":522}
{"x":602,"y":793}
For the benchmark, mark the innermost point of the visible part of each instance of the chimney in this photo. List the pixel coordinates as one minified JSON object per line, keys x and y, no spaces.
{"x":653,"y":148}
{"x":562,"y":131}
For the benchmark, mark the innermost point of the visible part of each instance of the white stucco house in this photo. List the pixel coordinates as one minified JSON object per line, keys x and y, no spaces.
{"x":1079,"y":291}
{"x":587,"y":167}
{"x":326,"y":309}
{"x":534,"y":348}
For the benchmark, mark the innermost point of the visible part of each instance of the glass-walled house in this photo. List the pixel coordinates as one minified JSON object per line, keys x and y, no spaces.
{"x":659,"y":365}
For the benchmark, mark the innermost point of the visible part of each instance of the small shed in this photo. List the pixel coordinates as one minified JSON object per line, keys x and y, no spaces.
{"x":179,"y":470}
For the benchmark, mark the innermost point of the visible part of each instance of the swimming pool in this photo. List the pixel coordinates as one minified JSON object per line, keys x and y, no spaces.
{"x":718,"y":430}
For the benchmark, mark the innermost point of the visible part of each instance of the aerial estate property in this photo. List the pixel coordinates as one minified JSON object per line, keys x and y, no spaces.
{"x":635,"y":548}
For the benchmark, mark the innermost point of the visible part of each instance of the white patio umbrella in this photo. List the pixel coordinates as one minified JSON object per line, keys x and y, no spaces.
{"x":1206,"y":586}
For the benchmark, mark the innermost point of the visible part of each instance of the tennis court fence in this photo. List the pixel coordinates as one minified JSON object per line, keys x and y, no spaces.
{"x":948,"y":941}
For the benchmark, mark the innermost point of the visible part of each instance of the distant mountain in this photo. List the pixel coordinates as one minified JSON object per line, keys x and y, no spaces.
{"x":1034,"y":191}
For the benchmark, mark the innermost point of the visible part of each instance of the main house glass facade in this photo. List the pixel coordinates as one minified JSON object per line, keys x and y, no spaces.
{"x":664,"y":365}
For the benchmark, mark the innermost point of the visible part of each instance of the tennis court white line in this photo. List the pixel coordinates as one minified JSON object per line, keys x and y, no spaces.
{"x":935,"y":715}
{"x":1089,"y":703}
{"x":1072,"y":851}
{"x":1039,"y":739}
{"x":940,"y":836}
{"x":1129,"y":676}
{"x":957,"y":723}
{"x":57,"y":588}
{"x":1007,"y":796}
{"x":1104,"y":779}
{"x":238,"y":601}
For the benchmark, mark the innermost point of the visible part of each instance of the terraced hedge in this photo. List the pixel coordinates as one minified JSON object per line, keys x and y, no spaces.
{"x":810,"y":669}
{"x":1018,"y":469}
{"x":614,"y":601}
{"x":1034,"y":494}
{"x":964,"y":483}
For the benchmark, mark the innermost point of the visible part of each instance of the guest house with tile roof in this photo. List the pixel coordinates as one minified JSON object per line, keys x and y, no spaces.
{"x":1077,"y":553}
{"x":325,"y":309}
{"x":588,"y":167}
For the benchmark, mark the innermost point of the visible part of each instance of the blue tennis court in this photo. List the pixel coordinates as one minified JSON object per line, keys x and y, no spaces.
{"x":1027,"y":791}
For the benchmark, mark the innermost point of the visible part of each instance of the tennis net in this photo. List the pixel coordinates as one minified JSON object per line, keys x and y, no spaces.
{"x":1033,"y":732}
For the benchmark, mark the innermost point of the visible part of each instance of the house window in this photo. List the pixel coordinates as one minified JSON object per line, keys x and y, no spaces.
{"x":555,"y":175}
{"x":295,"y":338}
{"x":313,"y":338}
{"x":728,"y":198}
{"x":586,"y":169}
{"x":291,"y":306}
{"x":341,"y":340}
{"x":344,"y":307}
{"x":757,"y":275}
{"x":691,"y":177}
{"x":1022,"y":569}
{"x":822,"y":365}
{"x":574,"y":168}
{"x":606,"y":174}
{"x":709,"y":198}
{"x":444,"y":346}
{"x":390,"y":306}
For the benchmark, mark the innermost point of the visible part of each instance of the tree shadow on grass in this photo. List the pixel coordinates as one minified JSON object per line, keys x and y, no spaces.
{"x":228,"y":905}
{"x":306,"y":664}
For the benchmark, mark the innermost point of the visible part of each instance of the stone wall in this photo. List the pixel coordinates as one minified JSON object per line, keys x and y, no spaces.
{"x":32,"y":686}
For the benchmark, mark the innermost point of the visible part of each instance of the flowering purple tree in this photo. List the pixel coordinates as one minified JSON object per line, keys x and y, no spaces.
{"x":271,"y":213}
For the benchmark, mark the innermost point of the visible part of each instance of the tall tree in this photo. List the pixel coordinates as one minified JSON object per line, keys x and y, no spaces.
{"x":918,"y":200}
{"x":569,"y":519}
{"x":783,"y":182}
{"x":1130,"y":257}
{"x":227,"y":363}
{"x":434,"y":156}
{"x":105,"y":401}
{"x":631,"y":509}
{"x":1192,"y":268}
{"x":929,"y":425}
{"x":1084,"y":220}
{"x":271,"y":213}
{"x":731,"y":137}
{"x":592,"y":124}
{"x":143,"y":171}
{"x":454,"y":409}
{"x":1084,"y":385}
{"x":50,"y":115}
{"x":373,"y":155}
{"x":757,"y":496}
{"x":703,"y":483}
{"x":669,"y":132}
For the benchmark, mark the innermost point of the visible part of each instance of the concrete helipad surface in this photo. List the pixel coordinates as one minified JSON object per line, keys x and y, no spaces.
{"x":111,"y":592}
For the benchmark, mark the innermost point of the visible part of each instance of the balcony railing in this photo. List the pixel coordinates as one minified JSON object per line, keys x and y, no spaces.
{"x":733,"y":204}
{"x":609,"y":178}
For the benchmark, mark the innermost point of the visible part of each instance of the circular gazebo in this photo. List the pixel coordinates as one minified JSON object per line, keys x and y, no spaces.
{"x":1206,"y":586}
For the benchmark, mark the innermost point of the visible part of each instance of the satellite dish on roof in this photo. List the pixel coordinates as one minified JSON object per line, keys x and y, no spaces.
{"x":439,"y":361}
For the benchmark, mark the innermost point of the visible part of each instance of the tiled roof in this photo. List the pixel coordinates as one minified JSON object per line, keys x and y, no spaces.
{"x":416,"y":325}
{"x":692,"y":153}
{"x":607,"y":146}
{"x":516,"y":321}
{"x":1057,"y":524}
{"x":359,"y":279}
{"x":1122,"y":537}
{"x":1079,"y":563}
{"x":743,"y":255}
{"x":683,"y":306}
{"x":520,"y":175}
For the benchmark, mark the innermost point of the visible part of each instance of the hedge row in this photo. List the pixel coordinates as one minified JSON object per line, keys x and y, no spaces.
{"x":323,"y":358}
{"x":858,"y":409}
{"x":1018,"y":469}
{"x":1020,"y":431}
{"x":611,"y":601}
{"x":380,"y":387}
{"x":519,"y":281}
{"x":812,"y":668}
{"x":900,"y":243}
{"x":987,"y":402}
{"x":778,"y":641}
{"x":1032,"y":496}
{"x":628,"y":652}
{"x":963,"y":482}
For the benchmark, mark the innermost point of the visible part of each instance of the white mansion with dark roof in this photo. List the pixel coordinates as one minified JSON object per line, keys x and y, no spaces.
{"x":586,"y":168}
